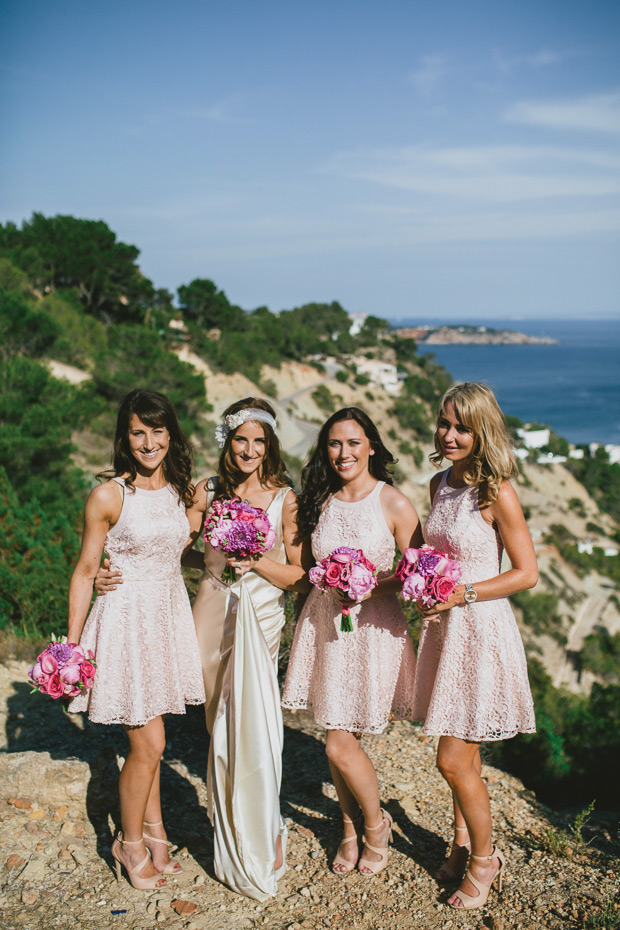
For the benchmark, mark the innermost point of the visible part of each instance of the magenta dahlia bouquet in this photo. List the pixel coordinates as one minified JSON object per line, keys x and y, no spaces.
{"x":428,"y":575}
{"x":346,"y":570}
{"x":240,"y":530}
{"x":63,"y":669}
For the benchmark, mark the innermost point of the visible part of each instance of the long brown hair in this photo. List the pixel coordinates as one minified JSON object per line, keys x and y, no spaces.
{"x":154,"y":410}
{"x":319,"y":480}
{"x":273,"y":469}
{"x":492,"y":459}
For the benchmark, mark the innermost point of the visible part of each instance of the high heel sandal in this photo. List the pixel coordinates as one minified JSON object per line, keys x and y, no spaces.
{"x":372,"y":866}
{"x":469,"y":901}
{"x":347,"y":866}
{"x":446,"y":873}
{"x":172,"y":867}
{"x":135,"y":879}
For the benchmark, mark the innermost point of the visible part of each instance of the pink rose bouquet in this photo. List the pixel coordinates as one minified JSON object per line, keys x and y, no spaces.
{"x":63,"y":669}
{"x":429,"y":577}
{"x":240,"y":530}
{"x":349,"y":571}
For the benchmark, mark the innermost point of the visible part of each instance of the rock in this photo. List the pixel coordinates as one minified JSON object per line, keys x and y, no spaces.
{"x":199,"y":879}
{"x":38,"y":814}
{"x":35,"y":871}
{"x":182,"y":907}
{"x":15,"y":862}
{"x":22,"y":804}
{"x":30,"y":896}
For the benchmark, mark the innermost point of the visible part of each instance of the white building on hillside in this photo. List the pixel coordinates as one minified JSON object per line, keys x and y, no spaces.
{"x":379,"y":372}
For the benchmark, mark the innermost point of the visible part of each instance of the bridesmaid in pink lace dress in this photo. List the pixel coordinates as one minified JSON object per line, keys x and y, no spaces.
{"x":142,"y":633}
{"x":354,"y":682}
{"x":471,"y":682}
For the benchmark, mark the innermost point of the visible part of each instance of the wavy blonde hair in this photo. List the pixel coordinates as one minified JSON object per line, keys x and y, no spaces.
{"x":492,"y":459}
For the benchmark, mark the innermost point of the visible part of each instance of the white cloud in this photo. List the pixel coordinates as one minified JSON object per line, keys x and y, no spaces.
{"x":496,"y":174}
{"x":596,"y":113}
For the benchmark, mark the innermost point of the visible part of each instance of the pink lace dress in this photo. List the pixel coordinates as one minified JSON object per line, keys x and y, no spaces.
{"x":471,"y":678}
{"x":352,"y":681}
{"x":143,"y":633}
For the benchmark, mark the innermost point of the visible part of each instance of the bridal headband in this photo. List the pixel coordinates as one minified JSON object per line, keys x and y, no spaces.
{"x":233,"y":420}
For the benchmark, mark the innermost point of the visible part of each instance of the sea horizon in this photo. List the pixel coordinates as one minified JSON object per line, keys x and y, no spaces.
{"x":573,"y":386}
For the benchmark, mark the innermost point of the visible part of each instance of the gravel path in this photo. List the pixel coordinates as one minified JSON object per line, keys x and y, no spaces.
{"x":58,"y":806}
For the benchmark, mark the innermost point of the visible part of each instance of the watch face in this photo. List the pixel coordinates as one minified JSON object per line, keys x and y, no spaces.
{"x":470,"y":596}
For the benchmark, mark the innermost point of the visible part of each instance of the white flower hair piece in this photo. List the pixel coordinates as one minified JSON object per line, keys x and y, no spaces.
{"x":234,"y":420}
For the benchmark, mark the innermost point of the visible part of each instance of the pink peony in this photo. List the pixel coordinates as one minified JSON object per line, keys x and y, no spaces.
{"x":316,"y":574}
{"x":413,"y":587}
{"x":70,"y":674}
{"x":361,"y":582}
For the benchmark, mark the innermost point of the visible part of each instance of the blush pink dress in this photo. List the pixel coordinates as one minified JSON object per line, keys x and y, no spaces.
{"x":142,"y":633}
{"x":471,"y":679}
{"x":352,"y":681}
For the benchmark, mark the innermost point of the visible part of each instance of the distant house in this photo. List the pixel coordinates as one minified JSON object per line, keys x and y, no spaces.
{"x":534,"y":438}
{"x":357,"y":323}
{"x":381,"y":373}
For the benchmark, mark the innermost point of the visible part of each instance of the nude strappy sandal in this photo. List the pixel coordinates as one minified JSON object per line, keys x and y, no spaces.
{"x":370,"y":865}
{"x":468,"y":901}
{"x":172,"y":867}
{"x":136,"y":880}
{"x":340,"y":860}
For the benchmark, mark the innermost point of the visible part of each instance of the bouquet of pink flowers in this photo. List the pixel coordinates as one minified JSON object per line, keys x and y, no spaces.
{"x":429,"y":577}
{"x":63,"y":669}
{"x":239,"y":529}
{"x":347,"y":570}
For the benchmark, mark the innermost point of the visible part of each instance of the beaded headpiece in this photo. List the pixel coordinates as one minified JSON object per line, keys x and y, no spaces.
{"x":233,"y":420}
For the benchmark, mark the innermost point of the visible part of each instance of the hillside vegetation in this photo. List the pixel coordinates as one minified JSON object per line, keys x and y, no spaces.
{"x":73,"y":300}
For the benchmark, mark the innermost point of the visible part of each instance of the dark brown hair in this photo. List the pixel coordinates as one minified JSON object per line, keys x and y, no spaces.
{"x":273,"y":469}
{"x":318,"y":478}
{"x":154,"y":410}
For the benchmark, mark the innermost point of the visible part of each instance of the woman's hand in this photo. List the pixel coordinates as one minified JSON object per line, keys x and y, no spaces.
{"x":107,"y":579}
{"x":432,"y":613}
{"x":242,"y":566}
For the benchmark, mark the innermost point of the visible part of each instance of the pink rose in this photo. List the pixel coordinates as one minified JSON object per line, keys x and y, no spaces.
{"x":42,"y":681}
{"x":70,"y":674}
{"x":72,"y":690}
{"x":48,"y":663}
{"x":55,"y":687}
{"x":413,"y":587}
{"x":262,"y":525}
{"x":245,"y":516}
{"x":442,"y":588}
{"x":332,"y":574}
{"x":87,"y":673}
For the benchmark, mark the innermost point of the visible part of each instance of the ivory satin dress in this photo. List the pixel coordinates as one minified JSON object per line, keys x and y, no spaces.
{"x":238,"y":629}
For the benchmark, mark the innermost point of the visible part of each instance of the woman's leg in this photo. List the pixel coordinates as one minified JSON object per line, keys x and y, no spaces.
{"x":459,"y":852}
{"x":356,"y":783}
{"x":458,"y":762}
{"x":146,"y":745}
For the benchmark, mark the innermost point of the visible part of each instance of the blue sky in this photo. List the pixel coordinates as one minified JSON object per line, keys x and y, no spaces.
{"x":410,"y":159}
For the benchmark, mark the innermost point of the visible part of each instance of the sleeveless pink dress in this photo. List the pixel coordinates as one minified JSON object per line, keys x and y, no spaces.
{"x":352,"y":681}
{"x":143,"y":633}
{"x":471,"y":679}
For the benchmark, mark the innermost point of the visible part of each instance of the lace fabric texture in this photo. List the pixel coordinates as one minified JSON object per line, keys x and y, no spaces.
{"x":239,"y":631}
{"x":471,"y":679}
{"x":143,"y":634}
{"x":352,"y":681}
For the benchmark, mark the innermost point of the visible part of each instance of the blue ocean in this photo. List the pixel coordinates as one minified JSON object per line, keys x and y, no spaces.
{"x":573,"y":386}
